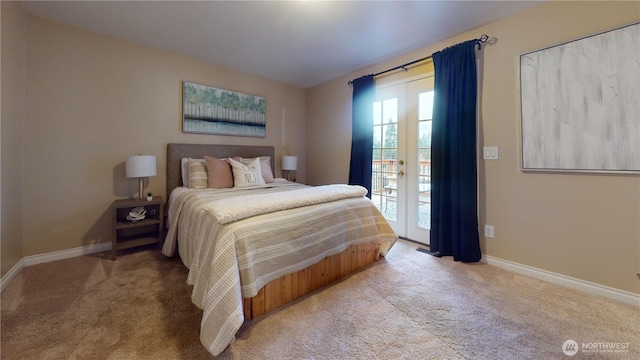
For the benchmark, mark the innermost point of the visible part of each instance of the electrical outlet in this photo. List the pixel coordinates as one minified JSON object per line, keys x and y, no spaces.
{"x":488,"y":231}
{"x":490,"y":153}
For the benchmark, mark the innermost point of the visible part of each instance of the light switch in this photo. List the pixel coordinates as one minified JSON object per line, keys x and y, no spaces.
{"x":490,"y":152}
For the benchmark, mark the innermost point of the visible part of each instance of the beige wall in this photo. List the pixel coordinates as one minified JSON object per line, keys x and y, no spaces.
{"x":94,"y":100}
{"x":12,"y":150}
{"x":585,"y":226}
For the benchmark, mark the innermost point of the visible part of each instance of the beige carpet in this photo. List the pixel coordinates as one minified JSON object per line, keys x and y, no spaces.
{"x":407,"y":306}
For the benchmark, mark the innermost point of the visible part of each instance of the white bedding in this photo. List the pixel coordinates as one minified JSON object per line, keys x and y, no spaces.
{"x":243,"y":206}
{"x":231,"y":261}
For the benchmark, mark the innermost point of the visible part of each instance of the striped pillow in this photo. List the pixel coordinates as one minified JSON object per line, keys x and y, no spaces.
{"x":198,"y":174}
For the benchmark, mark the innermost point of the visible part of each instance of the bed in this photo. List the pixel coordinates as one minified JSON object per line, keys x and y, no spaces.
{"x":246,"y":260}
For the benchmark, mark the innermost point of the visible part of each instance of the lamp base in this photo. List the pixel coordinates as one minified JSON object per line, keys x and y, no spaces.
{"x":140,"y":188}
{"x":289,"y":175}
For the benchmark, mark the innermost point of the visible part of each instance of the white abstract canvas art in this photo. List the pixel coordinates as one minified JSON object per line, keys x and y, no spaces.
{"x":580,"y":104}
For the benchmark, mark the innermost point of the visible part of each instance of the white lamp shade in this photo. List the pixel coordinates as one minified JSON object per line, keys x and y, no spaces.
{"x":289,"y":162}
{"x":141,"y":166}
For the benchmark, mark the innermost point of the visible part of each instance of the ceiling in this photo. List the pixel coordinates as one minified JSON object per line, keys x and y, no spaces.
{"x":302,"y":43}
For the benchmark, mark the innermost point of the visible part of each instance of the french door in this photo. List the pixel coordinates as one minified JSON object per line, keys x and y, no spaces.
{"x":402,"y":156}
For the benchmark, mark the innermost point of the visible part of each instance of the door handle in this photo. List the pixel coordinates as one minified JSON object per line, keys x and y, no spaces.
{"x":401,"y":162}
{"x":400,"y":173}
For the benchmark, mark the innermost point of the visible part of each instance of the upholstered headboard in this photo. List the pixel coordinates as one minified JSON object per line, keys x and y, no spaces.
{"x":175,"y":152}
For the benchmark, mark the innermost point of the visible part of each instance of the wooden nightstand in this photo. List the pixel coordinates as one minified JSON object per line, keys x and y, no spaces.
{"x":128,"y":234}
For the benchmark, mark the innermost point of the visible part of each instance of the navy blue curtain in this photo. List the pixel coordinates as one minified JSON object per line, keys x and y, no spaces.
{"x":362,"y":132}
{"x":454,"y":210}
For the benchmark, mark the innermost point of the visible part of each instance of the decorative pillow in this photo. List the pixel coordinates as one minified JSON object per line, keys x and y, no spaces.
{"x":198,"y":174}
{"x":246,"y":174}
{"x":220,"y":175}
{"x":265,"y":166}
{"x":184,"y":171}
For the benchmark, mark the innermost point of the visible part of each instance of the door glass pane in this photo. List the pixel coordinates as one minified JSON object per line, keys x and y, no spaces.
{"x":425,"y":105}
{"x":385,"y":155}
{"x":425,"y":109}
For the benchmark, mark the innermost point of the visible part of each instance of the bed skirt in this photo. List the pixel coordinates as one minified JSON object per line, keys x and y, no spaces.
{"x":292,"y":286}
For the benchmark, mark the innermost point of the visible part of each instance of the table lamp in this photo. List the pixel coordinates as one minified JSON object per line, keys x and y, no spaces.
{"x":289,"y":164}
{"x":141,"y":166}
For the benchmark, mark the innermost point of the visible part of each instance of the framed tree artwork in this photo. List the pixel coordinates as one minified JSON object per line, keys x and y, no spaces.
{"x":208,"y":110}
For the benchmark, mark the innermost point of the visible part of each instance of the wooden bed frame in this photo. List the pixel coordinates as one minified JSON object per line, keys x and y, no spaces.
{"x":290,"y":287}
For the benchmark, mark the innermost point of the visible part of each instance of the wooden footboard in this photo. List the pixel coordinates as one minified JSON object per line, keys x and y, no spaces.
{"x":290,"y":287}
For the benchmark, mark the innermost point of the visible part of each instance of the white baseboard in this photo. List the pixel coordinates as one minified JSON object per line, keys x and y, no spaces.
{"x":13,"y":272}
{"x":567,"y":281}
{"x":66,"y":254}
{"x":52,"y":256}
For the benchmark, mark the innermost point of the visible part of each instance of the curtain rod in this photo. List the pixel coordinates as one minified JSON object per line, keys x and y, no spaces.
{"x":483,"y":39}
